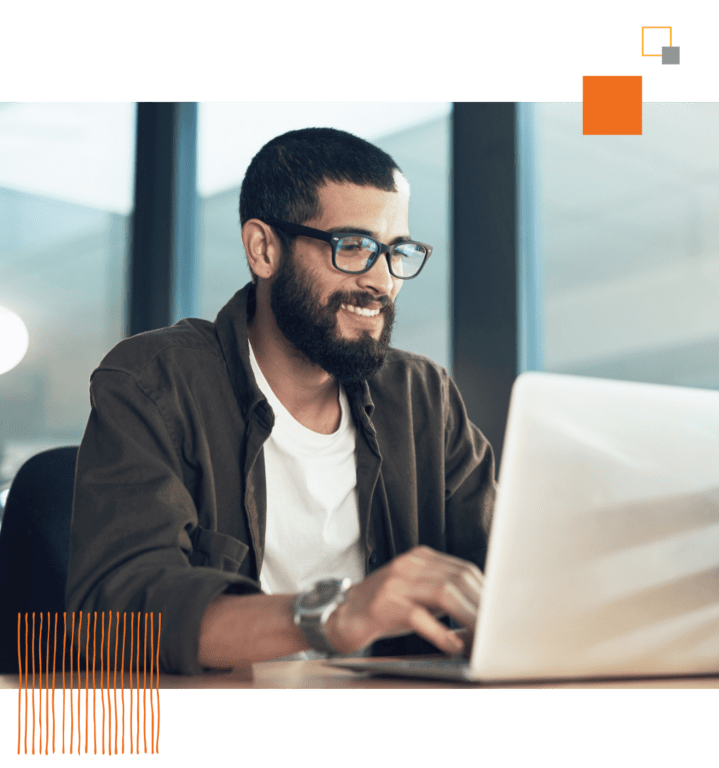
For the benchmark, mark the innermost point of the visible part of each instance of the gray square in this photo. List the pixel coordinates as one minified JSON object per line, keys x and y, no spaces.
{"x":670,"y":54}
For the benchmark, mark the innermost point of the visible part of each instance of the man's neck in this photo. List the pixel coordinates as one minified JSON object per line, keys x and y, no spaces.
{"x":309,"y":393}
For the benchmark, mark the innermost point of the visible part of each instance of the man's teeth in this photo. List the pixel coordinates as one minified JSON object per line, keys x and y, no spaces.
{"x":361,"y":310}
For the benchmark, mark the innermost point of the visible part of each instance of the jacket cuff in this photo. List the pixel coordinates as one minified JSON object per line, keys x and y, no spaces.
{"x":183,"y":606}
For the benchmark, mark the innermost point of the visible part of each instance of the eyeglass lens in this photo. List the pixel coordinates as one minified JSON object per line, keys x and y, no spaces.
{"x":353,"y":254}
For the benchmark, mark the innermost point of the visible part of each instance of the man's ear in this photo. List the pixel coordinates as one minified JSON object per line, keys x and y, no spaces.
{"x":262,"y":247}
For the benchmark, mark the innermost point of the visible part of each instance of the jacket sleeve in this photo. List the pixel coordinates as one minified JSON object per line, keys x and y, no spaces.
{"x":132,"y":520}
{"x":470,"y":486}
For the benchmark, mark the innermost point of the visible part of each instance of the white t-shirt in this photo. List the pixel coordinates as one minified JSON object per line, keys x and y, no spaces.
{"x":312,"y":529}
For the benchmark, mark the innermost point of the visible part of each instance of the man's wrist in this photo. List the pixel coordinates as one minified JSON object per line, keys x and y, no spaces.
{"x":338,"y":626}
{"x":333,"y":637}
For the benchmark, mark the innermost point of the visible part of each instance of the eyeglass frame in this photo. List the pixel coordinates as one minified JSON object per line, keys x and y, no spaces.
{"x":333,"y":238}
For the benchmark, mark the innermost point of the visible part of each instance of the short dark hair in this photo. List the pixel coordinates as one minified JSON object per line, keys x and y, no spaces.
{"x":283,"y":178}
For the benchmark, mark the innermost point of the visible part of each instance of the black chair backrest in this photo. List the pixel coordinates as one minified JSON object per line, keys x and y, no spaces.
{"x":34,"y":546}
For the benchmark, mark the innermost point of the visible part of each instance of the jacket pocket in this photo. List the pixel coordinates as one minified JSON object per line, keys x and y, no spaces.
{"x":213,"y":549}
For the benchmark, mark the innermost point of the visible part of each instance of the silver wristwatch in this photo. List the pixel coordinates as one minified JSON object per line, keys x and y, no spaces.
{"x":313,"y":608}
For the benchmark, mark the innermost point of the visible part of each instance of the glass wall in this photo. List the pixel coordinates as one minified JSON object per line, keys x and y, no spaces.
{"x":66,"y":183}
{"x":629,"y":245}
{"x":416,"y":135}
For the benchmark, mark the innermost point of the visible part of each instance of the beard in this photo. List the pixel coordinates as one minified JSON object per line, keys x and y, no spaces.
{"x":311,"y":326}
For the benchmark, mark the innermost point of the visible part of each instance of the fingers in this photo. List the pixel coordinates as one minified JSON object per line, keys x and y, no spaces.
{"x":441,"y":583}
{"x":425,"y":625}
{"x":466,"y":636}
{"x":406,"y":596}
{"x":453,"y":568}
{"x":462,"y":609}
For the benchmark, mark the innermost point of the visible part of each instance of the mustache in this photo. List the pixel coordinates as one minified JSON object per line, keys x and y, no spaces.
{"x":357,"y":298}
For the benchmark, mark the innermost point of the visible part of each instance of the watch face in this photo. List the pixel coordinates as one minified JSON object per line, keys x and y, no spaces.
{"x":322,"y":593}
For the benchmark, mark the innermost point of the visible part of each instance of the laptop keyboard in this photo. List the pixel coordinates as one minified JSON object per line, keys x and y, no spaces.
{"x":449,"y":663}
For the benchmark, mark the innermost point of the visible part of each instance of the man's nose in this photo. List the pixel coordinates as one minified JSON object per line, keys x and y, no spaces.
{"x":378,"y":278}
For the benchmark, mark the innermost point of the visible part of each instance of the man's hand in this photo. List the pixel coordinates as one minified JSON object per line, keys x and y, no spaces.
{"x":407,"y":595}
{"x":404,"y":596}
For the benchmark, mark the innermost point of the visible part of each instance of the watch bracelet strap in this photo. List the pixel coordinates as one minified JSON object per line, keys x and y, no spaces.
{"x":316,"y":637}
{"x":314,"y":630}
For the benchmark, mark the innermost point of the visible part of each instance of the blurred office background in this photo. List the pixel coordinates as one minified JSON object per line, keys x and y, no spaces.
{"x":595,"y":255}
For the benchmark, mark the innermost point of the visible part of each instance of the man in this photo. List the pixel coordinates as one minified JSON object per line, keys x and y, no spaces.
{"x":234,"y":474}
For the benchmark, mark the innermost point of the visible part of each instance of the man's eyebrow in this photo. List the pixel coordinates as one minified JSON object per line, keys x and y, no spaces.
{"x":362,"y":231}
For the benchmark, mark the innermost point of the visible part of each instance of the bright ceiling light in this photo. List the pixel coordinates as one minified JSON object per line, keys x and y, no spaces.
{"x":13,"y":340}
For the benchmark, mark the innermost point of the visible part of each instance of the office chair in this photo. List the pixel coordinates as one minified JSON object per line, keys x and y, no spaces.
{"x":34,"y":546}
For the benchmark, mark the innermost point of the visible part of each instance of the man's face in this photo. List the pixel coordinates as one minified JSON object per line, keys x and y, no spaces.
{"x":316,"y":306}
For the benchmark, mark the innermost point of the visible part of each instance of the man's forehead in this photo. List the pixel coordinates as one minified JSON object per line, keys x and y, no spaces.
{"x":348,"y":203}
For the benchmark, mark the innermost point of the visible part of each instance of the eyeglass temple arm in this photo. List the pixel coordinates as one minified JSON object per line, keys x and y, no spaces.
{"x":299,"y":229}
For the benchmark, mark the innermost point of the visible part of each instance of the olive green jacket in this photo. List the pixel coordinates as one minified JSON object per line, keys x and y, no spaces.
{"x":170,"y":498}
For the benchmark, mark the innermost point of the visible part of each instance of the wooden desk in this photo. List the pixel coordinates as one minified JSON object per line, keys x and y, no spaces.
{"x":315,"y":674}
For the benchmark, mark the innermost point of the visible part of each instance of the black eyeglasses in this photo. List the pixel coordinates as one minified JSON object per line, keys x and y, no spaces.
{"x":355,"y":253}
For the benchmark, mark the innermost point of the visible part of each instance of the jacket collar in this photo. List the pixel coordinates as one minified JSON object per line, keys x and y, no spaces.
{"x":231,"y":324}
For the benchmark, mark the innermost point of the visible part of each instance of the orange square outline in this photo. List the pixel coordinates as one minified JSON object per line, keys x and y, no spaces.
{"x":655,"y":54}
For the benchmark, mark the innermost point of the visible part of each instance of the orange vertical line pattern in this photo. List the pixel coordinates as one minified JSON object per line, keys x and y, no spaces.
{"x":64,"y":642}
{"x":110,"y":692}
{"x":19,"y":686}
{"x":144,"y":687}
{"x":110,"y":696}
{"x":159,"y":631}
{"x":79,"y":683}
{"x":137,"y":680}
{"x":152,"y":707}
{"x":134,"y":666}
{"x":49,"y":688}
{"x":33,"y":682}
{"x":79,"y":688}
{"x":26,"y":658}
{"x":106,"y":687}
{"x":122,"y":678}
{"x":87,"y":681}
{"x":109,"y":706}
{"x":54,"y":658}
{"x":40,"y":691}
{"x":47,"y":680}
{"x":72,"y":687}
{"x":102,"y":688}
{"x":40,"y":684}
{"x":78,"y":719}
{"x":132,"y":648}
{"x":39,"y":687}
{"x":94,"y":692}
{"x":47,"y":685}
{"x":114,"y":679}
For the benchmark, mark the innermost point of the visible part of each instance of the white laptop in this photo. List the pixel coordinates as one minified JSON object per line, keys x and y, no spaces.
{"x":603,"y":557}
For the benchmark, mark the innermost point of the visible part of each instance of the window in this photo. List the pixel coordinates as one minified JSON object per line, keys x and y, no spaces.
{"x":66,"y":180}
{"x":629,"y":245}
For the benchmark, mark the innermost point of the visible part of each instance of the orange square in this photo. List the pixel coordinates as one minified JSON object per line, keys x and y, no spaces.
{"x":612,"y":106}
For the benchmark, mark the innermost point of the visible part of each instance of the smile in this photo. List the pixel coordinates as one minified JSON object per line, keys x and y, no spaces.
{"x":361,"y":310}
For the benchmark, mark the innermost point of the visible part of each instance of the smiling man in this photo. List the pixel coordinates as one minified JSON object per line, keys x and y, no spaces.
{"x":281,"y":480}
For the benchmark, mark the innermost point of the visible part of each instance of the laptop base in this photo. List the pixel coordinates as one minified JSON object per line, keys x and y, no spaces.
{"x":457,"y":669}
